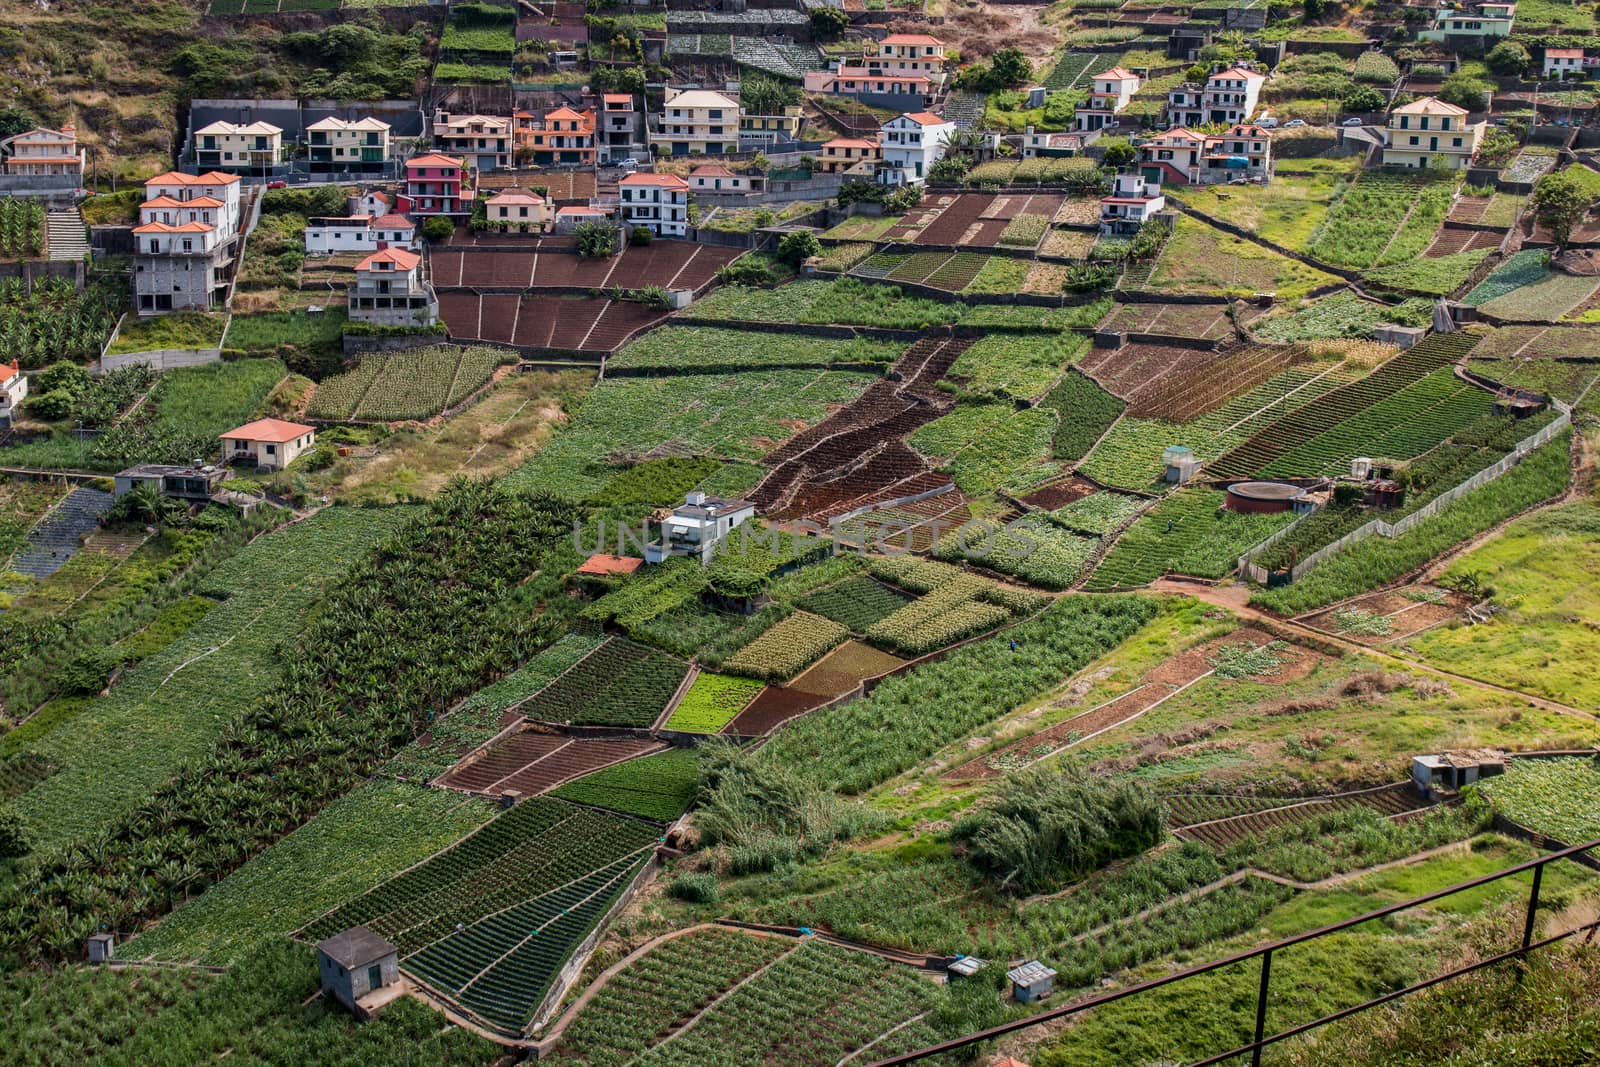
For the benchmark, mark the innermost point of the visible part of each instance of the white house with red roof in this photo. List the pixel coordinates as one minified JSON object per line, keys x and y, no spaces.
{"x":13,"y":390}
{"x":1134,"y":200}
{"x":716,"y":178}
{"x":43,"y":152}
{"x":1563,"y":63}
{"x":183,"y":246}
{"x":392,"y":289}
{"x":659,"y":202}
{"x":1181,"y":156}
{"x":1111,"y":92}
{"x":911,"y":144}
{"x":1230,"y":96}
{"x":359,"y":233}
{"x":268,"y":444}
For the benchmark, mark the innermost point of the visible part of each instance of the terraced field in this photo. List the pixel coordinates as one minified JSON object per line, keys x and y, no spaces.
{"x":1345,"y":402}
{"x":491,"y":920}
{"x":1393,"y":802}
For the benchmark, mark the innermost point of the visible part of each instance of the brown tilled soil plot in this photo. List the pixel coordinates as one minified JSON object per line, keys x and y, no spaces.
{"x":1406,"y":616}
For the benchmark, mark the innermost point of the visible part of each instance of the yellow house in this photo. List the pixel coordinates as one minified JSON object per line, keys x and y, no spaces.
{"x":515,"y":207}
{"x":843,"y":153}
{"x":348,"y":145}
{"x":1430,"y":131}
{"x":696,"y":122}
{"x":765,"y":130}
{"x":230,"y":146}
{"x":270,"y":444}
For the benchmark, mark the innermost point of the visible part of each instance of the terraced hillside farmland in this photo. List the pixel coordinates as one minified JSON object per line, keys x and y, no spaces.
{"x":491,"y":920}
{"x":1346,"y":402}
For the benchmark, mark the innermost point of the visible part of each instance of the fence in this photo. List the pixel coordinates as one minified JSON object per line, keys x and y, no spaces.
{"x":1262,"y":1040}
{"x":1377,"y":527}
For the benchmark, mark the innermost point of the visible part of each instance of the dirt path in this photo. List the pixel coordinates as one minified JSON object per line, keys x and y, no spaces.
{"x":1235,"y":598}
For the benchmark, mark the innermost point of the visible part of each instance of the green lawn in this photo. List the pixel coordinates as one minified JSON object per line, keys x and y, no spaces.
{"x":1546,"y":570}
{"x":1285,"y":212}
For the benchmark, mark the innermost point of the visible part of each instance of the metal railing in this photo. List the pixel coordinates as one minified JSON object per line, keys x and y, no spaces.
{"x":1263,"y":1040}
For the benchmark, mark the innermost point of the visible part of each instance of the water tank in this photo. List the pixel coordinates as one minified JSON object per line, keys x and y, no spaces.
{"x":1361,"y":468}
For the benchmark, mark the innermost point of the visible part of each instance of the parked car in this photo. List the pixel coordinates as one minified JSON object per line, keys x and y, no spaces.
{"x":1267,"y":123}
{"x":1294,"y":124}
{"x":627,"y":164}
{"x":277,"y":183}
{"x":1352,"y":122}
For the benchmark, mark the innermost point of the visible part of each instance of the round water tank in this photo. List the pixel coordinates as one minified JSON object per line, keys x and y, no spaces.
{"x":1261,"y":498}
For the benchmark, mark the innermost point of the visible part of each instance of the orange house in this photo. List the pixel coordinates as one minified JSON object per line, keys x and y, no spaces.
{"x":561,"y":136}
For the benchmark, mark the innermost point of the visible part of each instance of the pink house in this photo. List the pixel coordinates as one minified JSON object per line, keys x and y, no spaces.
{"x":434,"y":187}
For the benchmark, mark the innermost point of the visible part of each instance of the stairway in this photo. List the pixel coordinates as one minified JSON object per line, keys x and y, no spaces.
{"x":57,"y":537}
{"x":65,"y":238}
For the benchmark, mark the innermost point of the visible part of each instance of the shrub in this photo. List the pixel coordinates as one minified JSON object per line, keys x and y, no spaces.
{"x":795,"y":248}
{"x":438,"y":228}
{"x":700,"y":888}
{"x":51,"y":406}
{"x":15,"y":837}
{"x":596,"y":240}
{"x":640,"y":236}
{"x":1048,"y":824}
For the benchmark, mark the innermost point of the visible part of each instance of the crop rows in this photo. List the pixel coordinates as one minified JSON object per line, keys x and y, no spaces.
{"x":1400,"y":426}
{"x":1287,"y":433}
{"x":21,"y":227}
{"x":848,"y":748}
{"x":56,"y":320}
{"x":1240,"y":370}
{"x":618,"y":684}
{"x":1382,"y":218}
{"x":534,"y":849}
{"x":858,"y":603}
{"x":1187,"y":533}
{"x":1031,"y":548}
{"x":483,"y":714}
{"x":1554,"y":797}
{"x":1229,"y":829}
{"x":788,"y":648}
{"x":171,"y":708}
{"x":810,"y":1008}
{"x":1012,"y":366}
{"x":501,"y":966}
{"x":415,"y":384}
{"x":690,"y":348}
{"x":1084,"y":410}
{"x":658,"y":787}
{"x":1097,"y":513}
{"x":712,"y":700}
{"x":656,"y":994}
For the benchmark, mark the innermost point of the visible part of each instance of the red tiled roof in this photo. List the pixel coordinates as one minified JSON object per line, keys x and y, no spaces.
{"x":618,"y":98}
{"x":669,"y":181}
{"x":9,"y":372}
{"x":605,"y":564}
{"x":924,"y":118}
{"x":272,"y":431}
{"x":849,"y":142}
{"x":911,"y":38}
{"x":162,"y":227}
{"x":435,"y":159}
{"x":173,"y":177}
{"x":398,"y":256}
{"x":711,"y":170}
{"x":393,"y":221}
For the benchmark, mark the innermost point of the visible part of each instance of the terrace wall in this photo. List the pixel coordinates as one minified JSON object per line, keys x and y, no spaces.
{"x":580,"y":956}
{"x":33,"y":271}
{"x":160,"y":359}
